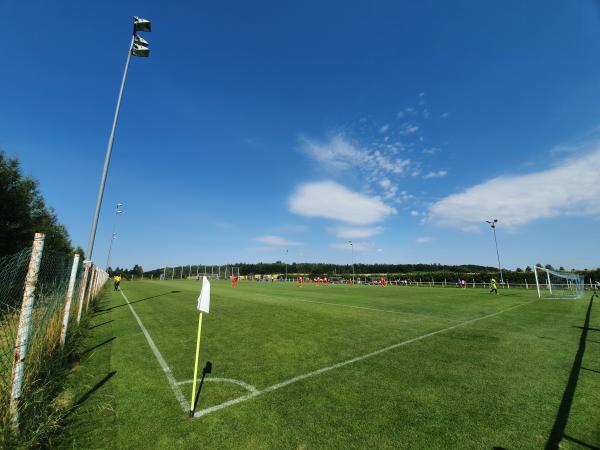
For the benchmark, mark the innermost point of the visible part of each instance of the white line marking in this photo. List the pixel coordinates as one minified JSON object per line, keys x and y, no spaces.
{"x":246,"y":386}
{"x":170,"y":378}
{"x":362,"y":307}
{"x":235,"y":401}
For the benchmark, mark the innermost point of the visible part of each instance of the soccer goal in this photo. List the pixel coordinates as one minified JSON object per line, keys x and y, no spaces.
{"x":558,"y":285}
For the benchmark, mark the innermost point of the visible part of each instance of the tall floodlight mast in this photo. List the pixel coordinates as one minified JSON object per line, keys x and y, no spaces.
{"x":493,"y":223}
{"x":352,"y":248}
{"x":137,"y":47}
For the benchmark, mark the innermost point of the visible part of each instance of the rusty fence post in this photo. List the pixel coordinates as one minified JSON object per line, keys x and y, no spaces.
{"x":91,"y":287}
{"x":67,"y":309}
{"x":24,"y":325}
{"x":86,"y":266}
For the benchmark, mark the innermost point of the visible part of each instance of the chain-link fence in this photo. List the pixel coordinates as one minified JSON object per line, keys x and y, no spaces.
{"x":44,"y":296}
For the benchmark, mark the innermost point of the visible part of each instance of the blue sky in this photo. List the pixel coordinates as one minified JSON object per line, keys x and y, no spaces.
{"x":259,"y":127}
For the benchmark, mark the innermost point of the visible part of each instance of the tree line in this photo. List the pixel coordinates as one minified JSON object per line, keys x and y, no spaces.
{"x":24,"y":212}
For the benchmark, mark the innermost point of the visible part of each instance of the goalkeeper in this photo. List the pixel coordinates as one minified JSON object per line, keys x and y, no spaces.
{"x":494,"y":287}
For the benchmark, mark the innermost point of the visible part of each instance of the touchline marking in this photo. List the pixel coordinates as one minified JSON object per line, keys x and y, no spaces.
{"x":364,"y":307}
{"x":159,"y":357}
{"x":235,"y":401}
{"x":246,"y":386}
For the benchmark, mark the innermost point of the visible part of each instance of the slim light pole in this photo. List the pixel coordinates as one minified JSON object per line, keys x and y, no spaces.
{"x":137,"y":47}
{"x":352,"y":248}
{"x":493,"y":225}
{"x":114,"y":234}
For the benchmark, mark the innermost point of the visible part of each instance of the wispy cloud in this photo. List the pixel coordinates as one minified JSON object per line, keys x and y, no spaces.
{"x":355,"y":233}
{"x":409,"y":128}
{"x":340,"y":153}
{"x":330,"y":200}
{"x":384,"y":128}
{"x":424,"y":240}
{"x":438,"y":174}
{"x":444,"y":115}
{"x":276,"y":241}
{"x":569,"y":189}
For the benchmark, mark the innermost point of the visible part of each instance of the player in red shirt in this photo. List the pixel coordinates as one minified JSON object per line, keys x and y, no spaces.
{"x":318,"y":281}
{"x":299,"y":281}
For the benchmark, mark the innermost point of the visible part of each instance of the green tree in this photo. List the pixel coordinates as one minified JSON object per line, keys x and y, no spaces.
{"x":23,"y":212}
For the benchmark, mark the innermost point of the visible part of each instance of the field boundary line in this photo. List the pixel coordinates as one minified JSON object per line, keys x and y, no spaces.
{"x":163,"y":364}
{"x":368,"y":308}
{"x":243,"y":384}
{"x":235,"y":401}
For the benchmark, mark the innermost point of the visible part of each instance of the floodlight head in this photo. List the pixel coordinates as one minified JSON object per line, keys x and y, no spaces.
{"x":140,"y":41}
{"x":119,"y":211}
{"x":119,"y":204}
{"x":140,"y":24}
{"x":139,"y":50}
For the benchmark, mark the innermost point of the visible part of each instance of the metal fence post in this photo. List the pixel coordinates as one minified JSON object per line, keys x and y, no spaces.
{"x":24,"y":323}
{"x":90,"y":291}
{"x":67,"y":310}
{"x":86,"y":266}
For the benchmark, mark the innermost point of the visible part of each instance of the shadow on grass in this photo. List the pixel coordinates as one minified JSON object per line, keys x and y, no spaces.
{"x":583,"y":444}
{"x":100,"y":311}
{"x":560,"y":423}
{"x":98,"y":345}
{"x":89,"y":393}
{"x":207,"y":369}
{"x":100,"y":324}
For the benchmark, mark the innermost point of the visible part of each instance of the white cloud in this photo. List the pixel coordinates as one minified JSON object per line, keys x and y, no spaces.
{"x":409,"y":128}
{"x":355,"y":233}
{"x":415,"y":213}
{"x":277,"y":241}
{"x":569,"y":189}
{"x":424,"y":240}
{"x":400,"y":114}
{"x":384,"y":128}
{"x":340,"y":153}
{"x":438,"y":174}
{"x":444,"y":115}
{"x":331,"y":200}
{"x":385,"y":183}
{"x":430,"y":150}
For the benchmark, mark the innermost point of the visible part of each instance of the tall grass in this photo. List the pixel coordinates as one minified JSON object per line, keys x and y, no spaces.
{"x":41,"y":411}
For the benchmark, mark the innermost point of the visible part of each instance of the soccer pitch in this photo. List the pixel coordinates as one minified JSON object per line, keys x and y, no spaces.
{"x":338,"y":367}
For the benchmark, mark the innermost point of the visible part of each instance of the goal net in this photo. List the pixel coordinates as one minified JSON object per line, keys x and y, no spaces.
{"x":558,"y":285}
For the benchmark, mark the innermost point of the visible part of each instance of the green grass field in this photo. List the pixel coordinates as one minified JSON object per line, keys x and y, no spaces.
{"x":338,"y":367}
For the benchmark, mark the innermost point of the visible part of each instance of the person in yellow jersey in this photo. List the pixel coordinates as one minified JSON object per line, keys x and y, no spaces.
{"x":117,"y":279}
{"x":494,"y":287}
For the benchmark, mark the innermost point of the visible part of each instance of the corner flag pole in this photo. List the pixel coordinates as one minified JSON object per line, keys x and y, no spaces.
{"x":196,"y":365}
{"x":203,"y":306}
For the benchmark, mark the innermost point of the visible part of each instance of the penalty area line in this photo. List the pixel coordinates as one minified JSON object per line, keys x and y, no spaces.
{"x":163,"y":364}
{"x":314,"y":373}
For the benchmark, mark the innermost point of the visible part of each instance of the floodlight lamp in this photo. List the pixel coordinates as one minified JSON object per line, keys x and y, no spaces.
{"x":140,"y":24}
{"x":138,"y":50}
{"x":140,"y":41}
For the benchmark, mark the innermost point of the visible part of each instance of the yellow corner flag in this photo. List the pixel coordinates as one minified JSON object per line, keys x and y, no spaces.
{"x":203,"y":306}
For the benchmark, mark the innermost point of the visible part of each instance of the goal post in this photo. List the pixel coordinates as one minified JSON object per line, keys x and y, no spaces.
{"x":553,"y":284}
